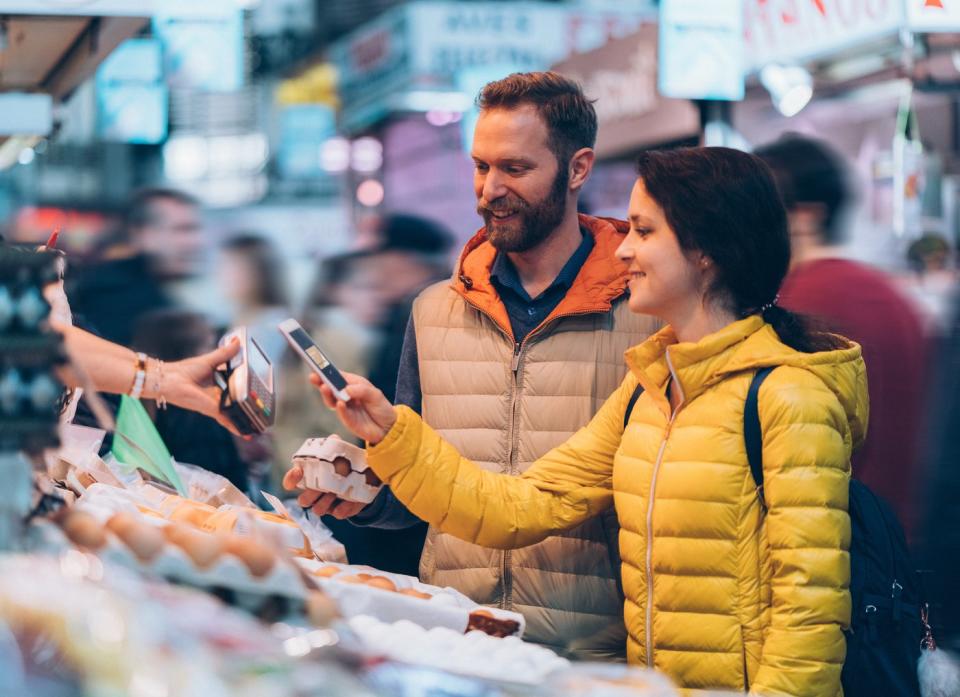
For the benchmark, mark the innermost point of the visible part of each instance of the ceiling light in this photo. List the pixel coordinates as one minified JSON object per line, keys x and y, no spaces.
{"x":790,"y":87}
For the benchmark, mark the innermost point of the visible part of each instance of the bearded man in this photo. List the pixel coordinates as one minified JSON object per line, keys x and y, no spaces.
{"x":530,"y":333}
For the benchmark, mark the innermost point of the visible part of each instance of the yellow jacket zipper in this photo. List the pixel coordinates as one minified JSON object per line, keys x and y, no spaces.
{"x":653,"y":490}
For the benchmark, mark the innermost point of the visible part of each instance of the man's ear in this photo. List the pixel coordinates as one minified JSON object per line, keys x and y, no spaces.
{"x":581,"y":165}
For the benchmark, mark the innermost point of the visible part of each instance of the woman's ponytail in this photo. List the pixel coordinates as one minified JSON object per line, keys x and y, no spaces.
{"x":798,"y":331}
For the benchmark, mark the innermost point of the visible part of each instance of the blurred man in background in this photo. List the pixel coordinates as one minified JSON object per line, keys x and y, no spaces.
{"x":368,"y":295}
{"x":861,"y":303}
{"x":159,"y":241}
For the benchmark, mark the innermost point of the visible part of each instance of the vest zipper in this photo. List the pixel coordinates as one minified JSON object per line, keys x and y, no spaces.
{"x":518,"y":346}
{"x":653,"y":489}
{"x":506,"y":571}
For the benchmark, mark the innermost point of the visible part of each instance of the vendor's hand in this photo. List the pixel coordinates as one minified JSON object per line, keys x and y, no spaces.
{"x":320,"y":502}
{"x":189,"y":383}
{"x":368,"y":414}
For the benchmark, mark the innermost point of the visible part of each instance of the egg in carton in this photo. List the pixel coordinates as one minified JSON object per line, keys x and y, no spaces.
{"x":393,"y":597}
{"x":247,"y":570}
{"x":333,"y":465}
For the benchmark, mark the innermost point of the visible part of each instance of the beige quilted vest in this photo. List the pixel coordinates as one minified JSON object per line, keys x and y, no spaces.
{"x":504,"y":410}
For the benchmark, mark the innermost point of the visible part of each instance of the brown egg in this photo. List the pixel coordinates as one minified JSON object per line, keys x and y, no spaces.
{"x":143,"y":539}
{"x":414,"y":593}
{"x":327,"y":571}
{"x":321,"y":610}
{"x":382,"y":583}
{"x":86,"y":479}
{"x":203,"y":548}
{"x":192,"y":513}
{"x":342,"y":466}
{"x":355,"y":578}
{"x":371,"y":478}
{"x":84,"y":530}
{"x":258,"y":557}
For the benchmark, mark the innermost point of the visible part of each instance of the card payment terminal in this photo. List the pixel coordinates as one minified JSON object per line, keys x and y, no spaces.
{"x":248,"y":396}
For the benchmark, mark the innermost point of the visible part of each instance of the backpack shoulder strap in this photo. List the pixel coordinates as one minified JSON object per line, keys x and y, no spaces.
{"x":752,"y":434}
{"x":638,"y":390}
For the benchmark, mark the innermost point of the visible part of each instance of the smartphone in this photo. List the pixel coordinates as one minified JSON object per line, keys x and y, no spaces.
{"x":311,"y":353}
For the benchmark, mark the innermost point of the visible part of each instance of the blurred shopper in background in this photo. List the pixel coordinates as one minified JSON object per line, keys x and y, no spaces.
{"x":192,"y":438}
{"x":933,"y":280}
{"x":517,"y":351}
{"x":252,"y":278}
{"x":861,"y":303}
{"x":159,"y":241}
{"x":416,"y":253}
{"x":369,"y":293}
{"x":939,"y":500}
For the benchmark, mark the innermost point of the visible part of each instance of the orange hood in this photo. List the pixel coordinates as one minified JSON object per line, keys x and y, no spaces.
{"x":601,"y":280}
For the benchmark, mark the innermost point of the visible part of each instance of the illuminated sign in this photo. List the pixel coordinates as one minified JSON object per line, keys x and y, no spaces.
{"x":780,"y":31}
{"x":934,"y":15}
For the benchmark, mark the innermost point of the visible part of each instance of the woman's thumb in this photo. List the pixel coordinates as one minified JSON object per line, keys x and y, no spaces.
{"x":224,"y":353}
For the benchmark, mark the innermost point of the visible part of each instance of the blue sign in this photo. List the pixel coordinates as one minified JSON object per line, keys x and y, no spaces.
{"x":701,"y":49}
{"x":131,"y":95}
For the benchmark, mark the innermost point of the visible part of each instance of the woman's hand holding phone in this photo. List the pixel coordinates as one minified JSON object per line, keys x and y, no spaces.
{"x":368,"y":415}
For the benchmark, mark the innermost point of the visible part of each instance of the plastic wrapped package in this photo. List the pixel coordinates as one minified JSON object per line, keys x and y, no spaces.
{"x":210,"y":488}
{"x":475,"y":653}
{"x":121,"y":635}
{"x":610,"y":680}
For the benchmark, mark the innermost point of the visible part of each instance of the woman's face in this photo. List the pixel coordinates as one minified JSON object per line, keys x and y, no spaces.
{"x":665,"y":281}
{"x":236,"y":278}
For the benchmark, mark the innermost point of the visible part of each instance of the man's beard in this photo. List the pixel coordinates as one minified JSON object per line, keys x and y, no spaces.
{"x":533,"y":223}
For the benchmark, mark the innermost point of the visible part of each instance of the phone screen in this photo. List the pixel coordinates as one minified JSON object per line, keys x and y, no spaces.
{"x":316,"y":355}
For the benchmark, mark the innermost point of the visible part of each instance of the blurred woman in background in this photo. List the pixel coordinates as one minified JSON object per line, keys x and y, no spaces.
{"x":251,"y":275}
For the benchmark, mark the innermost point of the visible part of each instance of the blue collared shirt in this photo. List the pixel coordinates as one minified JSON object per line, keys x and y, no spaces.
{"x":527,"y":313}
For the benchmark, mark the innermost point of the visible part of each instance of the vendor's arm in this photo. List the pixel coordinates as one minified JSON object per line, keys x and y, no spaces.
{"x":567,"y":486}
{"x":112,"y":368}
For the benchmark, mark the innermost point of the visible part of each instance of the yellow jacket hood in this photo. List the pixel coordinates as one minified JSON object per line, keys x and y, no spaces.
{"x":749,"y":345}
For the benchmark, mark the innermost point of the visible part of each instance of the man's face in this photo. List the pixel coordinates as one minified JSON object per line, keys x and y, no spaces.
{"x":521,"y":191}
{"x":173,"y":239}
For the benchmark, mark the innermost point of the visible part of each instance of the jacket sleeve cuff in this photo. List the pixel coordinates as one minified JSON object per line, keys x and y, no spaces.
{"x":397,"y":451}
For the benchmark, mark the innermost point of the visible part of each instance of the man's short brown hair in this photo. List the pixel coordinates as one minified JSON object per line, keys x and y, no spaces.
{"x":569,"y":116}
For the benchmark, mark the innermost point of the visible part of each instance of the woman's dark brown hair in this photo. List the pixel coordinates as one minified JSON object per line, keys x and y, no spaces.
{"x":725,"y":204}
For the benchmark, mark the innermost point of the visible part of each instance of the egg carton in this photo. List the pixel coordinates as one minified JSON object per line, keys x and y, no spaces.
{"x":228,"y":572}
{"x":317,"y":456}
{"x":446,"y":607}
{"x":474,"y":654}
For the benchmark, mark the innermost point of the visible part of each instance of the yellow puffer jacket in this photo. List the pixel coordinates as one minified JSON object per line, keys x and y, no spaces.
{"x":720,"y":592}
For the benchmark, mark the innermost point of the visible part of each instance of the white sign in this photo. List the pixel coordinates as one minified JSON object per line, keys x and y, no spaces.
{"x":446,"y":37}
{"x":799,"y":30}
{"x":121,"y":8}
{"x":933,"y":15}
{"x":701,"y":49}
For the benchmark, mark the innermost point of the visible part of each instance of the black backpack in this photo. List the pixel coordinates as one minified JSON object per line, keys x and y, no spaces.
{"x":886,"y":629}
